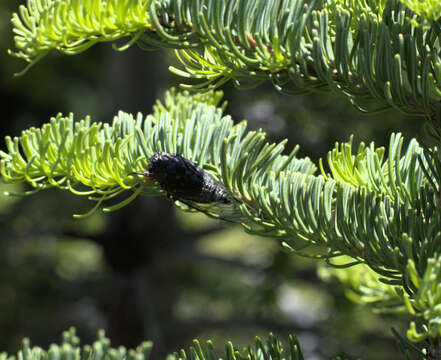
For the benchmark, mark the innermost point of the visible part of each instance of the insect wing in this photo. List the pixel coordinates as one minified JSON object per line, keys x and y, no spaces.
{"x":228,"y":212}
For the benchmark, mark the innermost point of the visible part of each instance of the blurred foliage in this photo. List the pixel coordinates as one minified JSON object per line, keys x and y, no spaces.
{"x":428,"y":10}
{"x":147,"y":272}
{"x":71,"y":348}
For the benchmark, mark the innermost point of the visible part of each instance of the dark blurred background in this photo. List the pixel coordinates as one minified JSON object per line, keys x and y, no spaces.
{"x":149,"y":271}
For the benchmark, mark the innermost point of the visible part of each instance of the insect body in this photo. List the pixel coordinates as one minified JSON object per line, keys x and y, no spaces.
{"x":186,"y":182}
{"x":183,"y":179}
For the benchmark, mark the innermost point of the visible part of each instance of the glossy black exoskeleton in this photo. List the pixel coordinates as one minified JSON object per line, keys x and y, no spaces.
{"x":186,"y":182}
{"x":183,"y":179}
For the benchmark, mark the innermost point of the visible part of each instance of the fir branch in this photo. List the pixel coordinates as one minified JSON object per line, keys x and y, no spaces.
{"x":70,"y":348}
{"x":370,"y":51}
{"x":271,"y":349}
{"x":421,"y":300}
{"x":378,"y":210}
{"x":75,"y":26}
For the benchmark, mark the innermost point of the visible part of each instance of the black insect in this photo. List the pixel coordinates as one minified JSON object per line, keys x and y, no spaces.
{"x":186,"y":182}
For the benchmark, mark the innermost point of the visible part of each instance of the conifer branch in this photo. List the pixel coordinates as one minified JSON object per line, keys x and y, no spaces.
{"x":378,"y":210}
{"x":371,"y":51}
{"x":70,"y":348}
{"x":421,"y":300}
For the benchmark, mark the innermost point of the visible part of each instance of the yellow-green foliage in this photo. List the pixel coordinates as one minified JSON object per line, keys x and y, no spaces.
{"x":75,"y":25}
{"x":429,"y":10}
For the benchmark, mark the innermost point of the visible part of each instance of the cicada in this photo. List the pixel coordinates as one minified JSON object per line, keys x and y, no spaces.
{"x":189,"y":184}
